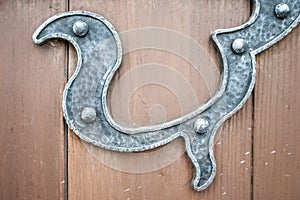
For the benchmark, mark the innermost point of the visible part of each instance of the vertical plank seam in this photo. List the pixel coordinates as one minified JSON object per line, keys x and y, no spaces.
{"x":252,"y":144}
{"x":252,"y":129}
{"x":66,"y":148}
{"x":65,"y":154}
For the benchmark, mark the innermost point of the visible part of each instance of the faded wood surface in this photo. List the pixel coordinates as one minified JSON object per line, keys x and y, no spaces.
{"x":277,"y":118}
{"x":31,"y":83}
{"x":196,"y":19}
{"x":32,"y":143}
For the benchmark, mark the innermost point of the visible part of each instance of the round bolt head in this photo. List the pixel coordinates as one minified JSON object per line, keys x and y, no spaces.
{"x":282,"y":10}
{"x":239,"y":46}
{"x":80,"y":28}
{"x":88,"y":115}
{"x":201,"y":125}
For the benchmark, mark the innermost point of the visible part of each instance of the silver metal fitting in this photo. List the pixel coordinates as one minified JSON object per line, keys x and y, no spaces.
{"x":201,"y":125}
{"x":80,"y":28}
{"x":88,"y":115}
{"x":282,"y":10}
{"x":239,"y":46}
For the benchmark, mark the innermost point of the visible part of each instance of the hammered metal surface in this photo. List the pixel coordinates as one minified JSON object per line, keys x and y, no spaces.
{"x":99,"y":56}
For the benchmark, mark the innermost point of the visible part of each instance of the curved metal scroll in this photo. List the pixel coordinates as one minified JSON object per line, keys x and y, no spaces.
{"x":99,"y":57}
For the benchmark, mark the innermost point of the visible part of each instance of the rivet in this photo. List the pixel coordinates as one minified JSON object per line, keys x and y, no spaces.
{"x":201,"y":125}
{"x":88,"y":115}
{"x":239,"y":46}
{"x":282,"y":10}
{"x":80,"y":28}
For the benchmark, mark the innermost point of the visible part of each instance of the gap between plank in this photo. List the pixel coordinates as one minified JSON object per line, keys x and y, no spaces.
{"x":66,"y":149}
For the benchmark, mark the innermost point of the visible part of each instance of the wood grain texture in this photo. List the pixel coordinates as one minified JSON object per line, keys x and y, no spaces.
{"x":31,"y":83}
{"x":277,"y":118}
{"x":32,"y":130}
{"x":91,"y":179}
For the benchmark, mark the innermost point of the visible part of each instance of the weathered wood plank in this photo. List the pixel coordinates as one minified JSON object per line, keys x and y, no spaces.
{"x":31,"y":84}
{"x":91,"y":179}
{"x":276,"y":133}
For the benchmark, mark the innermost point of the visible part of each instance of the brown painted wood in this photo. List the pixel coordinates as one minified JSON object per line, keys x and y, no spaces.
{"x":31,"y":83}
{"x":32,"y":130}
{"x":91,"y":179}
{"x":276,"y":133}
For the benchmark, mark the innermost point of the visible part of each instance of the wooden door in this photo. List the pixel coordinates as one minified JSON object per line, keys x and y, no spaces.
{"x":256,"y":150}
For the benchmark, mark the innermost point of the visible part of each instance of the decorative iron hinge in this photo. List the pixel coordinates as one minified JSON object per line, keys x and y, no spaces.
{"x":99,"y":56}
